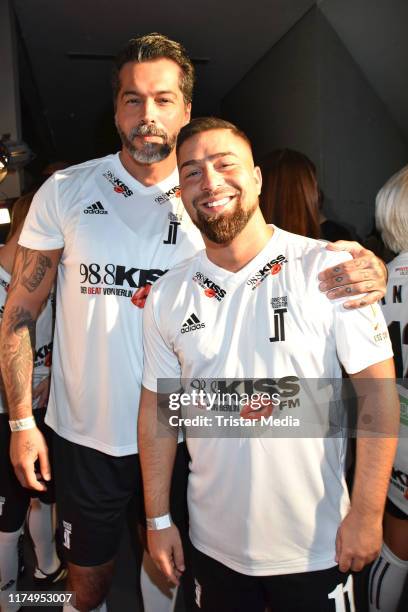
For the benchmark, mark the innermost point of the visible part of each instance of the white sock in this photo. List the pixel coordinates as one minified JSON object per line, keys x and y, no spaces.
{"x":40,"y":526}
{"x":101,"y":608}
{"x":8,"y":568}
{"x":158,"y":596}
{"x":387,"y":577}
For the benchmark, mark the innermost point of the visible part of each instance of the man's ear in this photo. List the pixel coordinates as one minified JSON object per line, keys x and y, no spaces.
{"x":187,"y":113}
{"x":258,"y":178}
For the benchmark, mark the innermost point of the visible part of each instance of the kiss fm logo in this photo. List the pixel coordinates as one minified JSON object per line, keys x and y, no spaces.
{"x":211,"y":290}
{"x":118,"y":185}
{"x":174,"y":192}
{"x":272,"y":267}
{"x":43,"y":355}
{"x":113,"y":279}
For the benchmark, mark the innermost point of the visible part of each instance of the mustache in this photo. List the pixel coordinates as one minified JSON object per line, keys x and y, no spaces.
{"x":146,"y":130}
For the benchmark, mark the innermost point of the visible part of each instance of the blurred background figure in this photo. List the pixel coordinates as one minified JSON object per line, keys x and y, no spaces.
{"x":19,"y":506}
{"x":292,"y":200}
{"x":390,"y":571}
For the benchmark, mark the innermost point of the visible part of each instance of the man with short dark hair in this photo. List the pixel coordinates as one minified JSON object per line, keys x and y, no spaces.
{"x":271,"y":522}
{"x":111,"y":227}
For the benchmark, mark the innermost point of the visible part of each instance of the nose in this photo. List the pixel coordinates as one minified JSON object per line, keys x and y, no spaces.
{"x":211,"y":180}
{"x":148,"y":114}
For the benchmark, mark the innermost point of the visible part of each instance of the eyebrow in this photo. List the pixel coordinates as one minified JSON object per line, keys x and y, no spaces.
{"x":133,"y":92}
{"x":192,"y":162}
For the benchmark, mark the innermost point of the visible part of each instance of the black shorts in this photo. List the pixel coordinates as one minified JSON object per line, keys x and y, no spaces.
{"x":221,"y":589}
{"x":14,"y":498}
{"x":396,"y":512}
{"x":93,"y":493}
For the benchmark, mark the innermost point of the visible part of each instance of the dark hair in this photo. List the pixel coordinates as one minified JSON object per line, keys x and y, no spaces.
{"x":290,"y":193}
{"x":205,"y":124}
{"x":19,"y":212}
{"x":155,"y":46}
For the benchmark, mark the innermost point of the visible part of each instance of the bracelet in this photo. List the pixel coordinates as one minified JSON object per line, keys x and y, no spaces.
{"x":22,"y":424}
{"x":159,"y":522}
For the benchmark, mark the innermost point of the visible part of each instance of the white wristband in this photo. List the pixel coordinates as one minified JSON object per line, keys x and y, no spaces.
{"x":159,"y":522}
{"x":22,"y":424}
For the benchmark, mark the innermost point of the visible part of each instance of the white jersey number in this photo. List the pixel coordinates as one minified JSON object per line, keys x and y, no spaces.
{"x":339,"y":596}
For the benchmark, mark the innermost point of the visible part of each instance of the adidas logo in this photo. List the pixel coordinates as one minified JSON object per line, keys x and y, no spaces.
{"x":192,"y":323}
{"x":95,"y":209}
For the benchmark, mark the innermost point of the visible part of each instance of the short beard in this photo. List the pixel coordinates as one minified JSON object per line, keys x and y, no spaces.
{"x":224,"y":228}
{"x":151,"y":152}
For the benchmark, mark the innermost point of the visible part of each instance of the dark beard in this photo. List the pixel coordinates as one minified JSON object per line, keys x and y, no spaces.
{"x":224,"y":228}
{"x":151,"y":152}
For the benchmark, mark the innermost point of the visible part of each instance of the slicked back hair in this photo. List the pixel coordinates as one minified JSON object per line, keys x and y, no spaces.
{"x":152,"y":47}
{"x":205,"y":124}
{"x":391,"y":211}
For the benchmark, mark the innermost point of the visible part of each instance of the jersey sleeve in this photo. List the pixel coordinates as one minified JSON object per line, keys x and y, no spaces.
{"x":42,"y":227}
{"x":362,"y":337}
{"x":159,"y":359}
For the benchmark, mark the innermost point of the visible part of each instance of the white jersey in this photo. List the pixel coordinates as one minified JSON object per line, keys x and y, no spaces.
{"x":43,"y":339}
{"x":395,"y":308}
{"x":118,"y":238}
{"x":262,"y":505}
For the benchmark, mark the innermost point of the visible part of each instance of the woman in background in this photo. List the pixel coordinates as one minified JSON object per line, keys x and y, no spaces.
{"x":292,"y":200}
{"x":290,"y":193}
{"x":390,"y":571}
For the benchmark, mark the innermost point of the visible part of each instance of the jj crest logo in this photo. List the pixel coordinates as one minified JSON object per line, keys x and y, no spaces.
{"x":172,"y":235}
{"x":279,"y":305}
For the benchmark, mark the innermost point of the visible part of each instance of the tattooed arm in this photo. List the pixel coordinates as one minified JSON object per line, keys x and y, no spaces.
{"x":32,"y":279}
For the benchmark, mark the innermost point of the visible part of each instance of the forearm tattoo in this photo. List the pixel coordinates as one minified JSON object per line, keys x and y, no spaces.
{"x":30,"y":268}
{"x":17,"y":352}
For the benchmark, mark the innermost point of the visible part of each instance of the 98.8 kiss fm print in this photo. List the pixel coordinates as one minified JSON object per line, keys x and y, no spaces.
{"x":118,"y":280}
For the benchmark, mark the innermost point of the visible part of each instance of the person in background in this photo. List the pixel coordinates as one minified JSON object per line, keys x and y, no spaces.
{"x":332,"y":230}
{"x":17,"y":504}
{"x":290,"y":193}
{"x":291,"y":197}
{"x":390,"y":571}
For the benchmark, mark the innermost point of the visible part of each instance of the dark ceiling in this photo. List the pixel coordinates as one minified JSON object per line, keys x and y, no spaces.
{"x":66,"y":103}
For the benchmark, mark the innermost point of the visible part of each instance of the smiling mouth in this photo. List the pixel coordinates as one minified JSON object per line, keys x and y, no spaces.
{"x":218,"y":205}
